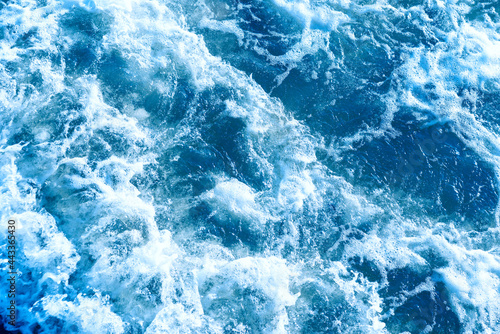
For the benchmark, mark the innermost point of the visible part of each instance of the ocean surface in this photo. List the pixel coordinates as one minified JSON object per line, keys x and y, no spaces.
{"x":251,"y":166}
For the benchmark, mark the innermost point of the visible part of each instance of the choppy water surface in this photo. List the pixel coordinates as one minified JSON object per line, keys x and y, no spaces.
{"x":264,"y":166}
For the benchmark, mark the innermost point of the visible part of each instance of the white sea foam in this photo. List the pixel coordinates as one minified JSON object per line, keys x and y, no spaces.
{"x":88,"y":314}
{"x":467,"y":60}
{"x":473,"y":279}
{"x":103,"y":235}
{"x":315,"y":14}
{"x":270,"y":276}
{"x":238,"y":199}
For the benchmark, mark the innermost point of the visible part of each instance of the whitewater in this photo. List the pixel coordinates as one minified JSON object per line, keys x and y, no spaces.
{"x":250,"y":166}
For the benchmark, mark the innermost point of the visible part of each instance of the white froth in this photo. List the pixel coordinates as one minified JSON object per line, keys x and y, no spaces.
{"x":312,"y":14}
{"x":88,"y":314}
{"x":271,"y":276}
{"x":360,"y":294}
{"x":139,"y":273}
{"x":238,"y":199}
{"x":473,"y":278}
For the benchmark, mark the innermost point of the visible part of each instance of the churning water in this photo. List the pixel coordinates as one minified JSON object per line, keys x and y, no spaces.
{"x":251,"y":166}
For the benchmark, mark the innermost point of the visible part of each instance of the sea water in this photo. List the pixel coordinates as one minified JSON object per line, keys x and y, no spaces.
{"x":251,"y":166}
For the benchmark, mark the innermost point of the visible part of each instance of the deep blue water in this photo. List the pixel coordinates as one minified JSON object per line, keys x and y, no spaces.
{"x":264,"y":166}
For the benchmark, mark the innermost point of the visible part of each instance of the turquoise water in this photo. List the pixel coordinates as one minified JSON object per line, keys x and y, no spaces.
{"x":265,"y":166}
